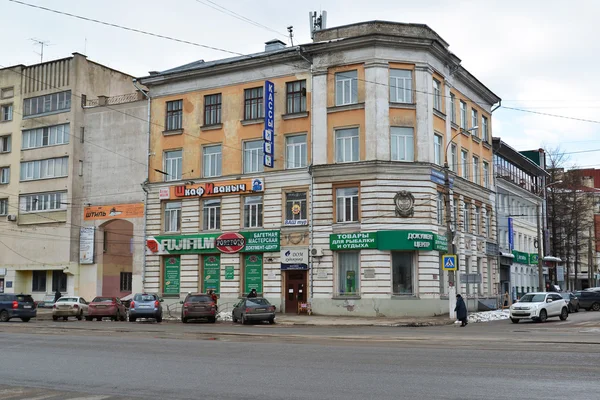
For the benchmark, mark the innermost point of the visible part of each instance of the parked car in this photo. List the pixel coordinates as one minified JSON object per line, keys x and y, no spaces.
{"x":197,"y":306}
{"x":572,"y":301}
{"x":69,"y":306}
{"x":127,"y":300}
{"x":17,"y":306}
{"x":102,"y":307}
{"x":593,"y":289}
{"x":48,"y":301}
{"x":589,"y":299}
{"x":539,"y":307}
{"x":145,"y":305}
{"x":253,"y":309}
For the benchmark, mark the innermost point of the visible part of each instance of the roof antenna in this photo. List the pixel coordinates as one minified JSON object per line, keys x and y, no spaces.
{"x":317,"y":23}
{"x":42,"y":43}
{"x":291,"y":32}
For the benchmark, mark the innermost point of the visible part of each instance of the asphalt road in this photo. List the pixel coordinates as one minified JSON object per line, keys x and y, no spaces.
{"x":107,"y":361}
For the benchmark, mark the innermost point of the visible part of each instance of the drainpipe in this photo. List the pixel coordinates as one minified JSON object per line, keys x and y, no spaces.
{"x":144,"y":183}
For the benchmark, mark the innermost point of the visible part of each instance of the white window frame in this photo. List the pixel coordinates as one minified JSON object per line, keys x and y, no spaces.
{"x":437,"y":149}
{"x":347,"y":197}
{"x":296,"y":151}
{"x":5,"y":144}
{"x":3,"y":207}
{"x":487,"y":223}
{"x":47,"y":136}
{"x":212,"y":161}
{"x":253,"y":156}
{"x":474,"y":119}
{"x":4,"y":175}
{"x":347,"y":145}
{"x":173,"y":165}
{"x":464,"y":160}
{"x":452,"y":108}
{"x":172,"y":217}
{"x":253,"y":211}
{"x":402,"y":138}
{"x":477,"y":217}
{"x":211,"y":214}
{"x":47,"y":104}
{"x":340,"y":276}
{"x":437,"y":95}
{"x":453,"y":157}
{"x":463,"y":115}
{"x":476,"y":170}
{"x":6,"y":112}
{"x":45,"y":169}
{"x":42,"y":202}
{"x":486,"y":172}
{"x":401,"y":86}
{"x":484,"y":129}
{"x":467,"y":217}
{"x":346,"y":87}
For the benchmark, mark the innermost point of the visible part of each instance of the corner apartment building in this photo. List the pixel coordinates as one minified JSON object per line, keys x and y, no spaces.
{"x":41,"y":164}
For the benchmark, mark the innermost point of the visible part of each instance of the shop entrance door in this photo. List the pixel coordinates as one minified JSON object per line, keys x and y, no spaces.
{"x":295,"y":290}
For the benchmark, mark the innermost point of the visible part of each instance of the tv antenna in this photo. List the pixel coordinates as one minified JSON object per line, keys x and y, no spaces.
{"x":42,"y":44}
{"x":317,"y":22}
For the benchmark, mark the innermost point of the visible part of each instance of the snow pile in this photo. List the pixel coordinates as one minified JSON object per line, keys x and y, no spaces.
{"x":487,"y":316}
{"x":224,"y":316}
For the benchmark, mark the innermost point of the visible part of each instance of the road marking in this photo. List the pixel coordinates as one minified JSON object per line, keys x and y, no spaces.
{"x":89,"y":398}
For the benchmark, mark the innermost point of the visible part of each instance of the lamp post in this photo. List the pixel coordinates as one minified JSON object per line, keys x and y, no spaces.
{"x":539,"y":237}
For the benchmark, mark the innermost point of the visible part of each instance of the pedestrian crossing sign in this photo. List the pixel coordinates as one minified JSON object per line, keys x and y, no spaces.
{"x":449,"y":262}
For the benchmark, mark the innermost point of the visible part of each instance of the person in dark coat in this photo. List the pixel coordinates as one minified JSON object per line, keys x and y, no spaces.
{"x":253,"y":293}
{"x":57,"y":295}
{"x":461,"y":310}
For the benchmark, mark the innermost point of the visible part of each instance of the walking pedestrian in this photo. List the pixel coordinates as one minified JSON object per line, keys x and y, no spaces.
{"x":57,"y":295}
{"x":461,"y":310}
{"x":253,"y":293}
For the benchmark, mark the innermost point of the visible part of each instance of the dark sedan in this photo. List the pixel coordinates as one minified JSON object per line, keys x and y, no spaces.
{"x":256,"y":309}
{"x":197,"y":306}
{"x":589,"y":300}
{"x":572,"y":301}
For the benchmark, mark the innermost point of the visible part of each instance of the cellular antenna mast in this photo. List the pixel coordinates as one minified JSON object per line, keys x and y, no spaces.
{"x":317,"y":22}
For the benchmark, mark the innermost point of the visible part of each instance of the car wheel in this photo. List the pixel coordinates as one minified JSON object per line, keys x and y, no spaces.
{"x":98,"y":318}
{"x":272,"y":321}
{"x":122,"y":317}
{"x":244,"y":320}
{"x":25,"y":319}
{"x":54,"y":318}
{"x":88,"y":318}
{"x":212,"y":320}
{"x":515,"y":320}
{"x":65,"y":318}
{"x":596,"y":306}
{"x":159,"y":319}
{"x":4,"y":316}
{"x":184,"y":320}
{"x":234,"y":319}
{"x":564,"y":314}
{"x":132,"y":319}
{"x":80,"y":316}
{"x":577,"y":308}
{"x":543,"y":316}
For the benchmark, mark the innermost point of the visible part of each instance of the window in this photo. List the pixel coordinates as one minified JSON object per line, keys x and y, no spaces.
{"x":402,"y":273}
{"x":463,"y":115}
{"x":173,"y":165}
{"x":486,"y":174}
{"x":437,"y":95}
{"x":402,"y":144}
{"x":437,"y":149}
{"x":47,"y":136}
{"x":174,"y":115}
{"x":465,"y":163}
{"x":453,"y":158}
{"x":126,"y":278}
{"x":253,"y":103}
{"x":173,"y":216}
{"x":484,"y":129}
{"x":253,"y":156}
{"x":3,"y":206}
{"x":38,"y":282}
{"x":295,"y":151}
{"x":455,"y":214}
{"x":55,"y":102}
{"x":212,"y":160}
{"x":452,"y":108}
{"x":477,"y":217}
{"x":4,"y":175}
{"x":440,"y":208}
{"x":487,"y":223}
{"x":348,"y":273}
{"x":296,"y":97}
{"x":59,"y":281}
{"x":7,"y":93}
{"x":346,"y":145}
{"x":212,"y":214}
{"x":54,"y":201}
{"x":346,"y":88}
{"x":467,"y":217}
{"x":212,"y":109}
{"x":474,"y":122}
{"x":44,"y":169}
{"x":295,"y":206}
{"x":400,"y":86}
{"x":347,"y":204}
{"x":253,"y":211}
{"x":6,"y":112}
{"x":476,"y":170}
{"x":5,"y":142}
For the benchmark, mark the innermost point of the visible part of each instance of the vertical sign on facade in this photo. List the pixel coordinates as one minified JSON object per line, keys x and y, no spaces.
{"x":86,"y":245}
{"x":212,"y":272}
{"x":172,"y":275}
{"x":269,"y":131}
{"x":511,"y":235}
{"x":229,"y":272}
{"x":253,"y":276}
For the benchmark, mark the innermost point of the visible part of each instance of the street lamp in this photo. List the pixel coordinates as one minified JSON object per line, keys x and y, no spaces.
{"x":539,"y":236}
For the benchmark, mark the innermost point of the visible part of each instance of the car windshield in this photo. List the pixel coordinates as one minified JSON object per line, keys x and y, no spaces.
{"x":566,"y":296}
{"x":25,"y":298}
{"x":103,"y":300}
{"x":199,"y":299}
{"x":533,"y":298}
{"x":257,"y":302}
{"x":144,"y":297}
{"x":67,"y":299}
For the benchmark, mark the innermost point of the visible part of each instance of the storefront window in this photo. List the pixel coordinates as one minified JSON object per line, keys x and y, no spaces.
{"x":348,"y":273}
{"x":402,"y":273}
{"x":59,"y":281}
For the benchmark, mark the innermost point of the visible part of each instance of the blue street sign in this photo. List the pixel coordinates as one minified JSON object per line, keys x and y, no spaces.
{"x":268,"y":161}
{"x":511,"y":235}
{"x":268,"y":133}
{"x":268,"y":148}
{"x":449,"y":262}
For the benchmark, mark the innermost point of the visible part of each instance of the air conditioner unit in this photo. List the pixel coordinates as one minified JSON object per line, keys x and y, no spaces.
{"x":11,"y":217}
{"x":316,"y":252}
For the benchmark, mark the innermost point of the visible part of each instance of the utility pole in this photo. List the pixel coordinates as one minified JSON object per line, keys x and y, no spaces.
{"x":541,"y":282}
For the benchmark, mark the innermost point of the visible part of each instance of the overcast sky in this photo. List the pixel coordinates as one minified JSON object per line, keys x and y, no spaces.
{"x":539,"y":55}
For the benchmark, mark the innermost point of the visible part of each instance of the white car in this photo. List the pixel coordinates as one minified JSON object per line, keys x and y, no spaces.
{"x":539,"y":307}
{"x":70,"y":306}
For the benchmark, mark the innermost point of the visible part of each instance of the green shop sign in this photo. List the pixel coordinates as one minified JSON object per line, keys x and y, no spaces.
{"x":411,"y":240}
{"x":533,"y":258}
{"x":253,"y":273}
{"x":172,"y":275}
{"x":203,"y":243}
{"x":353,"y":241}
{"x":521,"y":258}
{"x":229,"y":272}
{"x":212,"y":272}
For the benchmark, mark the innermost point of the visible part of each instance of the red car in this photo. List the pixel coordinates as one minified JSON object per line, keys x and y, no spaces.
{"x":102,"y":307}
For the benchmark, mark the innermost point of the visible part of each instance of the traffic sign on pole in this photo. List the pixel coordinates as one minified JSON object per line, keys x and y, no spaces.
{"x":449,"y":262}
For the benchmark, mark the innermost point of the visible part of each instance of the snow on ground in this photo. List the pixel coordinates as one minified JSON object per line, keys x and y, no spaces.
{"x":224,"y":316}
{"x":487,"y":316}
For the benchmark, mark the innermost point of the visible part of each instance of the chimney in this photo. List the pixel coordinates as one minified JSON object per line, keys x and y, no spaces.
{"x":274,"y":44}
{"x":102,"y":100}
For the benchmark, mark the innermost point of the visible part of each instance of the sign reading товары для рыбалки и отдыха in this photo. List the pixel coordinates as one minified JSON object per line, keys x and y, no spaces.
{"x":353,"y":241}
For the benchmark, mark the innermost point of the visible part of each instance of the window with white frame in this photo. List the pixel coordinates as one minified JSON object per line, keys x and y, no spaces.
{"x":486,"y":174}
{"x":4,"y":175}
{"x":474,"y":122}
{"x":253,"y":156}
{"x":174,"y":115}
{"x":440,"y":208}
{"x":46,"y":136}
{"x":463,"y":115}
{"x":437,"y":95}
{"x":476,"y":170}
{"x":3,"y":207}
{"x":437,"y":149}
{"x":464,"y":160}
{"x":39,"y":202}
{"x":347,"y":204}
{"x":484,"y":129}
{"x":253,"y":211}
{"x":5,"y":144}
{"x":400,"y":86}
{"x":212,"y":160}
{"x":295,"y":151}
{"x":477,"y":218}
{"x":211,"y":214}
{"x":467,"y":217}
{"x":452,"y":108}
{"x":402,"y":143}
{"x":346,"y":88}
{"x":346,"y":145}
{"x":172,"y":220}
{"x":453,"y":158}
{"x":6,"y":112}
{"x":487,"y":224}
{"x":348,"y":267}
{"x":44,"y":169}
{"x":173,"y":165}
{"x":49,"y":103}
